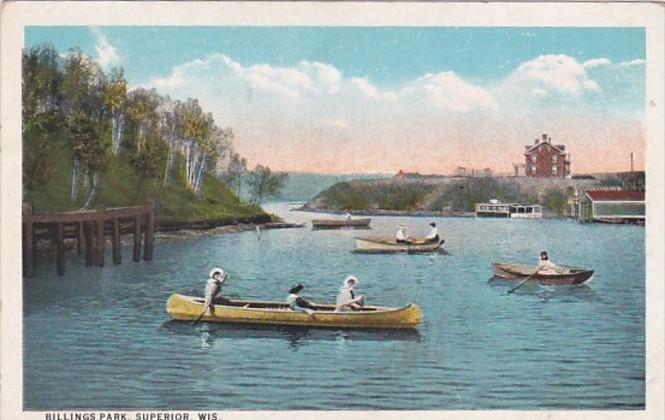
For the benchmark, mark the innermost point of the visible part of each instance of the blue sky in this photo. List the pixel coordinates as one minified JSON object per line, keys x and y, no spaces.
{"x":384,"y":55}
{"x":348,"y":86}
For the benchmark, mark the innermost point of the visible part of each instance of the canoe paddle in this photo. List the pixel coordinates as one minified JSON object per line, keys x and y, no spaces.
{"x":522,"y":282}
{"x":214,"y":295}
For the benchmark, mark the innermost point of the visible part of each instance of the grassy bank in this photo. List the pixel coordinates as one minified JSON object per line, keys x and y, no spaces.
{"x":119,"y":185}
{"x":451,"y":195}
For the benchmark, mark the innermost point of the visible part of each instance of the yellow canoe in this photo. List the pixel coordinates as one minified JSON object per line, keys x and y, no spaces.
{"x":183,"y":307}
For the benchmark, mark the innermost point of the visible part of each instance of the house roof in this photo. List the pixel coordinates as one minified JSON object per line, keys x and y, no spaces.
{"x":530,"y":149}
{"x":625,"y":195}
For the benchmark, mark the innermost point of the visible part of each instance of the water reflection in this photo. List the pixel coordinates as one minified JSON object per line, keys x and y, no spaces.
{"x":545,"y":293}
{"x":294,"y":336}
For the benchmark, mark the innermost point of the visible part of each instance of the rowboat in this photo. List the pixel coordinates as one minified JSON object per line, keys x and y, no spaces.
{"x":183,"y":307}
{"x":379,"y":245}
{"x":341,"y":224}
{"x":564,"y":276}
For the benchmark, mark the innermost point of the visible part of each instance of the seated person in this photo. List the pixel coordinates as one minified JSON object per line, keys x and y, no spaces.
{"x":298,"y":303}
{"x":346,"y":300}
{"x":213,"y":290}
{"x":401,"y":236}
{"x":433,"y":235}
{"x":545,"y":265}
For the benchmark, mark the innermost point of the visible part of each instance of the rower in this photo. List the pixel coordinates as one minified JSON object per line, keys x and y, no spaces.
{"x":401,"y":237}
{"x":298,"y":303}
{"x":546,"y":265}
{"x":213,"y":289}
{"x":433,"y":235}
{"x":346,"y":300}
{"x":347,"y":216}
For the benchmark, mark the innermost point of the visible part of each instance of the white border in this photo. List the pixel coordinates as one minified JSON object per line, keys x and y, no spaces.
{"x":16,"y":15}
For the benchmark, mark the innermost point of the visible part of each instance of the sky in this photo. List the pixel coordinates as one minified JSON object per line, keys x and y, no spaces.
{"x":381,"y":99}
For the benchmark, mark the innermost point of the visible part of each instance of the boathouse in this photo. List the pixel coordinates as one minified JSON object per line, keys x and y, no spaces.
{"x":544,"y":159}
{"x":495,"y":208}
{"x":612,"y":206}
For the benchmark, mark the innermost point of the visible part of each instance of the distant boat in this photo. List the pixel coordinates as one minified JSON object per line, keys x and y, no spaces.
{"x":380,"y":245}
{"x":183,"y":307}
{"x":567,"y":276}
{"x":341,"y":223}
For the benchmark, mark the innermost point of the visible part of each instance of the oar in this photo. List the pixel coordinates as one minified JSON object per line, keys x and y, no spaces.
{"x":522,"y":282}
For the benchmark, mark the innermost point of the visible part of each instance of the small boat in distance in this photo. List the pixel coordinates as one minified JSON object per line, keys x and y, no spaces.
{"x":567,"y":276}
{"x":341,"y":223}
{"x":383,"y":245}
{"x":189,"y":308}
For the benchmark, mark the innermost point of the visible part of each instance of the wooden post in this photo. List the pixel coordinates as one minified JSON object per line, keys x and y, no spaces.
{"x":149,"y":230}
{"x":99,"y":236}
{"x":117,"y":256}
{"x":28,"y":241}
{"x":89,"y":243}
{"x":59,"y":249}
{"x":79,"y":239}
{"x":137,"y":238}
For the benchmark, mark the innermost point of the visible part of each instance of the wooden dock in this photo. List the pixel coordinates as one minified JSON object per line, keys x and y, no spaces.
{"x":89,"y":228}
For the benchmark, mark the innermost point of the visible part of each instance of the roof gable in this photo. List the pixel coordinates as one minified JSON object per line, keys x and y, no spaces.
{"x":536,"y":146}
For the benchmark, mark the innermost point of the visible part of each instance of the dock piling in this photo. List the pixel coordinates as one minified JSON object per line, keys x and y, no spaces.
{"x":117,"y":255}
{"x":99,"y":236}
{"x":149,"y":231}
{"x":59,"y":249}
{"x":28,"y":245}
{"x":137,"y":239}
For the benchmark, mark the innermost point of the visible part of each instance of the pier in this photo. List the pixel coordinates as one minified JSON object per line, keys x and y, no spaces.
{"x":89,"y":228}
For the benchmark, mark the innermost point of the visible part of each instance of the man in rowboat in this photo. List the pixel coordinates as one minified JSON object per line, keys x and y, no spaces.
{"x":545,"y":265}
{"x":433,"y":235}
{"x":213,"y":288}
{"x":298,"y":303}
{"x":346,"y":300}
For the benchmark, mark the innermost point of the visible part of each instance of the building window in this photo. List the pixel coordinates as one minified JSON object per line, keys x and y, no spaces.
{"x":555,"y":159}
{"x":534,"y":159}
{"x":554,"y":170}
{"x":533,"y":169}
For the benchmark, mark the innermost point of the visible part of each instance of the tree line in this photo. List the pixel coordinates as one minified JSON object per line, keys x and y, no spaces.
{"x":165,"y":140}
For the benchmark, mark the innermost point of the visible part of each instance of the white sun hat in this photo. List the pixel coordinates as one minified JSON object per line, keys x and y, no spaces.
{"x":215,"y":271}
{"x":350,"y":278}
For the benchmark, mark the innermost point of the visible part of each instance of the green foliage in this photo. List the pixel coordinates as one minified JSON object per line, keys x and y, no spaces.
{"x":376,"y":195}
{"x":71,"y":114}
{"x":263,"y":183}
{"x":554,"y":201}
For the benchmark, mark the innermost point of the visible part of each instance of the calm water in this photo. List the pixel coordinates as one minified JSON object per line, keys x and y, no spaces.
{"x":103,"y":339}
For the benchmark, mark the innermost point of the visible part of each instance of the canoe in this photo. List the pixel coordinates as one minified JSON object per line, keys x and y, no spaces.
{"x":183,"y":307}
{"x":567,"y":276}
{"x":341,"y":224}
{"x":379,"y":245}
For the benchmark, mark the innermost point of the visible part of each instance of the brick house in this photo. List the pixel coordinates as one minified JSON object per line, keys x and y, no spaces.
{"x":544,"y":159}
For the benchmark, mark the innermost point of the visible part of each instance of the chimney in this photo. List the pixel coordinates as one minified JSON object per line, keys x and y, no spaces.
{"x":544,"y":137}
{"x":535,"y":141}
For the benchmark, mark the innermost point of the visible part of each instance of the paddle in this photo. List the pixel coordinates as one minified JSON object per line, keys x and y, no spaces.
{"x":214,"y":295}
{"x":523,"y":281}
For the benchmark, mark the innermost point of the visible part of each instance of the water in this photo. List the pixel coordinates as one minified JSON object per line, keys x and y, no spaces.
{"x":102,"y":338}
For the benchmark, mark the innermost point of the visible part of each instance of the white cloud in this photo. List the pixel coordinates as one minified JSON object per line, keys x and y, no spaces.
{"x":557,"y":72}
{"x":107,"y":54}
{"x":632,"y":63}
{"x":596,"y":62}
{"x":447,"y":90}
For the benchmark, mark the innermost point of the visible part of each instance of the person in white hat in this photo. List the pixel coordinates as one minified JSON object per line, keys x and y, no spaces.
{"x":214,"y":287}
{"x":346,"y":299}
{"x":433,"y":235}
{"x":401,"y":237}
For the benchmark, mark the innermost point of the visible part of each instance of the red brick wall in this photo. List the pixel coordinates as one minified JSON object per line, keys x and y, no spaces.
{"x":544,"y":153}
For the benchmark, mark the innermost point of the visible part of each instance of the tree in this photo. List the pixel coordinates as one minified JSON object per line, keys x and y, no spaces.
{"x":41,"y":100}
{"x":115,"y":96}
{"x":264,"y":183}
{"x":236,"y":173}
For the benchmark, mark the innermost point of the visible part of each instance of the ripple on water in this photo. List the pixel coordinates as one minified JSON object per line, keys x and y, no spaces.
{"x":104,"y":332}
